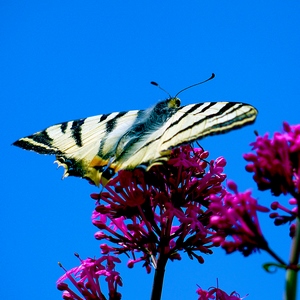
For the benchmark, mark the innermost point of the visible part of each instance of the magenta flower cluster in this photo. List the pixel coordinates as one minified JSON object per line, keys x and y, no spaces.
{"x":161,"y":212}
{"x":218,"y":294}
{"x":235,"y":217}
{"x":181,"y":206}
{"x":86,"y":279}
{"x":276,"y":161}
{"x":276,"y":167}
{"x":152,"y":217}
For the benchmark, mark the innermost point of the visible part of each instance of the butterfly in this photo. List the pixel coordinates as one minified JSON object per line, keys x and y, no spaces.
{"x":97,"y":147}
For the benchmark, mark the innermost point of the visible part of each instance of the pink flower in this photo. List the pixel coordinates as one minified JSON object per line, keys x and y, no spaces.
{"x":86,"y":279}
{"x":289,"y":216}
{"x":276,"y":166}
{"x":276,"y":161}
{"x":218,"y":294}
{"x":234,"y":216}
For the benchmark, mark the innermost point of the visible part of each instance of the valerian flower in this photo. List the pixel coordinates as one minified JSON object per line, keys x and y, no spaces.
{"x":86,"y":279}
{"x":288,"y":215}
{"x":153,"y":216}
{"x":161,"y":212}
{"x":218,"y":294}
{"x":234,"y":216}
{"x":276,"y":166}
{"x":276,"y":161}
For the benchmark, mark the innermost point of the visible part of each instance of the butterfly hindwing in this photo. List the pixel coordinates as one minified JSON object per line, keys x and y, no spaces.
{"x":76,"y":143}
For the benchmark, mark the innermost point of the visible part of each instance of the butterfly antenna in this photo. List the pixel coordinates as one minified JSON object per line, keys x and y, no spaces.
{"x":156,"y":84}
{"x":210,"y":78}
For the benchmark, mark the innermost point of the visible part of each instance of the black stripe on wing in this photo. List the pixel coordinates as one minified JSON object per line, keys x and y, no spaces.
{"x":27,"y":144}
{"x":191,"y":110}
{"x":76,"y":131}
{"x":40,"y":142}
{"x":42,"y":137}
{"x":63,"y":127}
{"x":103,"y":118}
{"x":111,"y":124}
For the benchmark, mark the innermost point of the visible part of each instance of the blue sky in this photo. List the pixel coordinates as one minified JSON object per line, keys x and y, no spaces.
{"x":62,"y":60}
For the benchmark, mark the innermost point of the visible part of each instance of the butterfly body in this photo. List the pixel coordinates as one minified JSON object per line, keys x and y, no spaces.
{"x":97,"y":147}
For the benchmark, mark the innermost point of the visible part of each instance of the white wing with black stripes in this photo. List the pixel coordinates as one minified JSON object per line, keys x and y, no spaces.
{"x":97,"y":147}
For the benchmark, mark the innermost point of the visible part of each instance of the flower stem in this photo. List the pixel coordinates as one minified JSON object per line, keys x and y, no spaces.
{"x":159,"y":278}
{"x":291,"y":273}
{"x":275,"y":256}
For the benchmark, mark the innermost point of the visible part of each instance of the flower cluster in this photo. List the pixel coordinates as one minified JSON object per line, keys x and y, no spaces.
{"x":151,"y":216}
{"x":158,"y":213}
{"x":86,"y":279}
{"x":276,"y":166}
{"x":234,"y":216}
{"x":181,"y":206}
{"x":216,"y":293}
{"x":276,"y":163}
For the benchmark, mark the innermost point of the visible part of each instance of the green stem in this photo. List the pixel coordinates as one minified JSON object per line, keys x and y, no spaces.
{"x":291,"y":273}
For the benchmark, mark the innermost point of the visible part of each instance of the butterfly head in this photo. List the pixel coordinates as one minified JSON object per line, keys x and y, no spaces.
{"x":174,"y":102}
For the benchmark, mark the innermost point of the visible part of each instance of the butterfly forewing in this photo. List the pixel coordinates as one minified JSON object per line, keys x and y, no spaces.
{"x":190,"y":123}
{"x":195,"y":121}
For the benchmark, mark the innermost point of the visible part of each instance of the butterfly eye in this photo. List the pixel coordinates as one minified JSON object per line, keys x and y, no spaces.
{"x":173,"y":102}
{"x":177,"y":102}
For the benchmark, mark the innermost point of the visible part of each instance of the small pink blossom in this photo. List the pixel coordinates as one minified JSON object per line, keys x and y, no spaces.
{"x":86,"y":279}
{"x":284,"y":215}
{"x":218,"y":294}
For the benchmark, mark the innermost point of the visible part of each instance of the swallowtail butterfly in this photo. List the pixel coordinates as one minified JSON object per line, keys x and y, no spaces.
{"x":97,"y":147}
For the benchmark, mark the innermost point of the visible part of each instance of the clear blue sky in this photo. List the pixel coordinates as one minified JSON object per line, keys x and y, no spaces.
{"x":62,"y":60}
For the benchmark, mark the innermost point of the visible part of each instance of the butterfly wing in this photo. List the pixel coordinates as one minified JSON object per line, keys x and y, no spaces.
{"x":190,"y":123}
{"x":195,"y":121}
{"x":76,"y":143}
{"x":87,"y":147}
